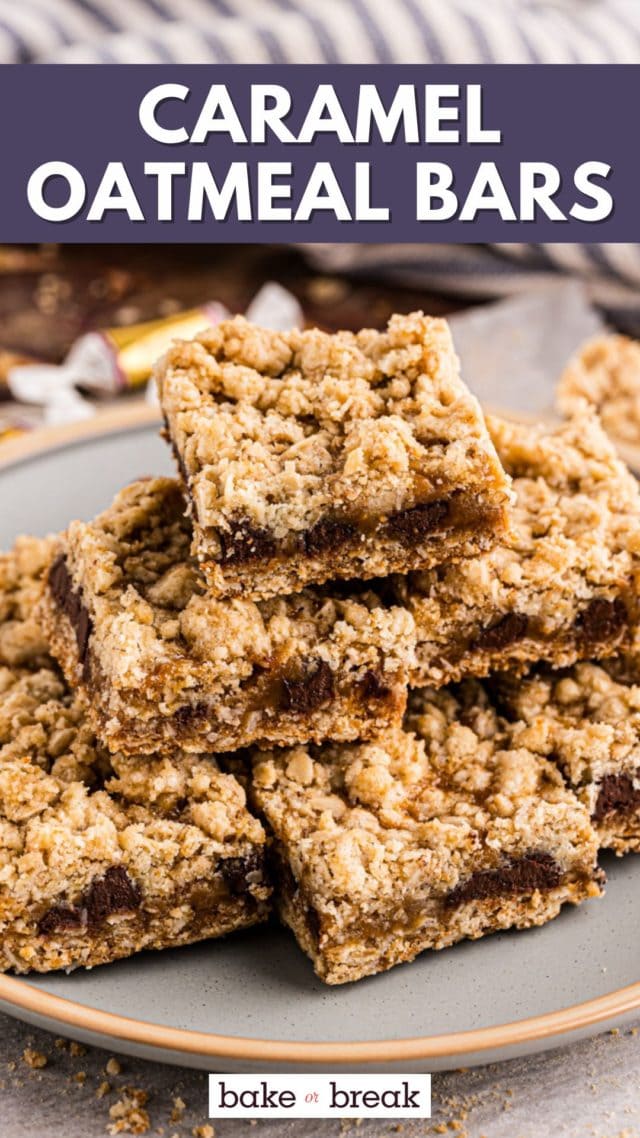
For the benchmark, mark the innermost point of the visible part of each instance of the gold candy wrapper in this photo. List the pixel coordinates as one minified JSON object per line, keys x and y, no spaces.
{"x":112,"y":360}
{"x":7,"y":433}
{"x":115,"y":359}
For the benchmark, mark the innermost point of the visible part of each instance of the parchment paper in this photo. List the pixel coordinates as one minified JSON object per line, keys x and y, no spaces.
{"x":512,"y":352}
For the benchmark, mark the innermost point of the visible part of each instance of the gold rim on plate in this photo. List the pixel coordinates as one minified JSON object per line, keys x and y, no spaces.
{"x":20,"y":994}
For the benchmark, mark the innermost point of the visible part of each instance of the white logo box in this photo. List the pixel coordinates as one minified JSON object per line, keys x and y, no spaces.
{"x":320,"y":1096}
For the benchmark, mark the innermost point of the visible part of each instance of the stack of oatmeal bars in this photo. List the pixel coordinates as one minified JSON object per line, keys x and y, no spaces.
{"x":369,"y":658}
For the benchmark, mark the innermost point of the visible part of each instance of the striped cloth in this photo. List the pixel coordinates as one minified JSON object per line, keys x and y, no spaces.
{"x":333,"y":31}
{"x":367,"y":31}
{"x":610,"y":273}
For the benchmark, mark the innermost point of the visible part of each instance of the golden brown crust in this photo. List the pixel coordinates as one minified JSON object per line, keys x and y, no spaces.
{"x":310,"y":456}
{"x":587,"y":719}
{"x":22,"y":642}
{"x":380,"y":840}
{"x":605,"y":373}
{"x":561,"y":586}
{"x":102,"y":856}
{"x":165,"y":662}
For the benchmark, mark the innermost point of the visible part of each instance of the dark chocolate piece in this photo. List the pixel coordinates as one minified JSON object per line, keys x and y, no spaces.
{"x":417,"y":523}
{"x":191,"y":714}
{"x":328,"y":535}
{"x":245,"y":542}
{"x":115,"y":892}
{"x":602,"y":620}
{"x":508,"y":630}
{"x":372,"y":686}
{"x":616,"y":795}
{"x":517,"y":875}
{"x":60,"y":919}
{"x":237,"y":871}
{"x":309,"y":691}
{"x":70,"y":602}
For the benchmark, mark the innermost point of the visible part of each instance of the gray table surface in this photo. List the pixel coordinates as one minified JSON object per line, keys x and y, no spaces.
{"x":589,"y":1090}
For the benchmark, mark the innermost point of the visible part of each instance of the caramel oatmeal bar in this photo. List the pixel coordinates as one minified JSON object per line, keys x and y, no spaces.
{"x":102,"y":856}
{"x":424,"y":837}
{"x":561,"y":586}
{"x":605,"y":372}
{"x":587,"y":719}
{"x":22,"y":641}
{"x":161,"y":662}
{"x":308,"y":457}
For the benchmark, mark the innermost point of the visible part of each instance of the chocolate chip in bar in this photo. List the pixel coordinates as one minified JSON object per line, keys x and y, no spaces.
{"x":329,"y":535}
{"x":69,"y":601}
{"x":602,"y":620}
{"x":372,"y":686}
{"x":246,"y":542}
{"x":194,"y":715}
{"x":508,"y":630}
{"x":617,"y":794}
{"x":115,"y":892}
{"x":418,"y":522}
{"x":60,"y":918}
{"x":310,"y":691}
{"x":238,"y":872}
{"x":520,"y":875}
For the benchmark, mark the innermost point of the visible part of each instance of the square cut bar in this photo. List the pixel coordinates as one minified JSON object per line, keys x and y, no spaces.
{"x":308,"y":457}
{"x":424,"y":837}
{"x":561,"y":586}
{"x":102,"y":856}
{"x":163,"y":663}
{"x":587,"y":719}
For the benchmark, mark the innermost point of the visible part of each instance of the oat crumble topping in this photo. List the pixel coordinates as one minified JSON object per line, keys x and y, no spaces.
{"x":159,"y":641}
{"x":281,"y":431}
{"x":380,"y":836}
{"x":587,"y":719}
{"x":84,"y":835}
{"x":605,"y":373}
{"x":574,"y":543}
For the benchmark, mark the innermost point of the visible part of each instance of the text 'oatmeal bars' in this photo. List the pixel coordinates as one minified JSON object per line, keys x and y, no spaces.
{"x":163,"y":663}
{"x":428,"y":835}
{"x":102,"y":856}
{"x":308,"y":457}
{"x":587,"y":719}
{"x":561,"y":586}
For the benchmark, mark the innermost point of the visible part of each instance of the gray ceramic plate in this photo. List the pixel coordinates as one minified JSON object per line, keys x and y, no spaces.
{"x":252,"y":1002}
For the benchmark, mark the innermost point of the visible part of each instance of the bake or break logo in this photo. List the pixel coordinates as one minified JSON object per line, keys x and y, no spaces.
{"x":320,"y":1096}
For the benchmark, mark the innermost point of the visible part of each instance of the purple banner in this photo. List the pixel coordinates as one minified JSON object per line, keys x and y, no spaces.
{"x":351,"y":153}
